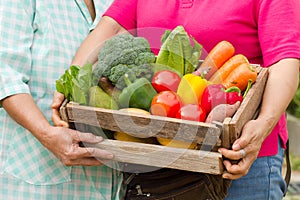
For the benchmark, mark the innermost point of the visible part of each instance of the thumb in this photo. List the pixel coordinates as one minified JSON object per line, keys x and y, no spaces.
{"x":58,"y":99}
{"x":239,"y":144}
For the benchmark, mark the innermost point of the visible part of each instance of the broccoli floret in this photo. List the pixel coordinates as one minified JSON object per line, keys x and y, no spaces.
{"x":123,"y":52}
{"x":144,"y":70}
{"x":133,"y":71}
{"x":144,"y":57}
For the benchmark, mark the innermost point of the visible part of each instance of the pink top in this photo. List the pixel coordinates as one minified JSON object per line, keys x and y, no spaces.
{"x":265,"y":31}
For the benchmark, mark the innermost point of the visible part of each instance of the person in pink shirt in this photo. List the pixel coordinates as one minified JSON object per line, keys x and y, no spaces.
{"x":266,"y":32}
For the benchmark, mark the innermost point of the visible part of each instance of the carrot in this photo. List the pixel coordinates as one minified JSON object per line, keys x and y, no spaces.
{"x":216,"y":58}
{"x":240,"y":77}
{"x":228,"y":67}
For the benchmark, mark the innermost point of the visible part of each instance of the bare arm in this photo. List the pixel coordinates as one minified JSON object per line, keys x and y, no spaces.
{"x":280,"y":89}
{"x":89,"y":49}
{"x":62,"y":142}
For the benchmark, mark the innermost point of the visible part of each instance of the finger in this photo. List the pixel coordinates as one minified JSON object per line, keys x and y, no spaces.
{"x":233,"y":155}
{"x":57,"y":119}
{"x":234,"y":171}
{"x":89,"y":152}
{"x":231,"y":176}
{"x":86,"y":137}
{"x":57,"y":100}
{"x":240,"y":143}
{"x":84,"y":162}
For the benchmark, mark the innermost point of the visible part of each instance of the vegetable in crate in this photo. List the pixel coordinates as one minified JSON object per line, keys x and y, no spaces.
{"x":190,"y":89}
{"x":166,"y":104}
{"x":222,"y":73}
{"x":126,"y":136}
{"x":165,"y":80}
{"x":215,"y":94}
{"x":137,"y":94}
{"x":178,"y":52}
{"x":100,"y":99}
{"x":221,"y":111}
{"x":223,"y":51}
{"x":193,"y":112}
{"x":124,"y":54}
{"x":241,"y":76}
{"x":75,"y":83}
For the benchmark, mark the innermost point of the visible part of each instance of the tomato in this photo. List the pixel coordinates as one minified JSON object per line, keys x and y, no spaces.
{"x":165,"y":80}
{"x":193,"y":112}
{"x":165,"y":103}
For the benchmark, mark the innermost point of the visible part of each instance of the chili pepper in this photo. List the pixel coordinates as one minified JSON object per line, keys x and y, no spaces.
{"x":215,"y":59}
{"x":240,"y":77}
{"x":228,"y":67}
{"x":233,"y":94}
{"x":138,"y":94}
{"x":190,"y":88}
{"x":216,"y":94}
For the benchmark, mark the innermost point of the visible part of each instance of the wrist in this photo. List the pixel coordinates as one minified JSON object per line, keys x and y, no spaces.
{"x":268,"y":122}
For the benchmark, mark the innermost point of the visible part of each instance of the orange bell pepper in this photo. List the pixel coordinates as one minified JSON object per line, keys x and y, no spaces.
{"x":190,"y":88}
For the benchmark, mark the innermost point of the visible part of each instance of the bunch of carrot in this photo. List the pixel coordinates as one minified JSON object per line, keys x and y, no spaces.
{"x":223,"y":66}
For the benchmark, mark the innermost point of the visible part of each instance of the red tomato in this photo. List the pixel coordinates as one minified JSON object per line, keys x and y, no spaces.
{"x":165,"y":103}
{"x":165,"y":80}
{"x":192,"y":112}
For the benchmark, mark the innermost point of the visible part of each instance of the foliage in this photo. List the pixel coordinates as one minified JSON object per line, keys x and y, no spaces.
{"x":294,"y":106}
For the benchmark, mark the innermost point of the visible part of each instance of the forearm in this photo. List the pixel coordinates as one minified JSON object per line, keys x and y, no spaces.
{"x":279,"y":91}
{"x":24,"y":111}
{"x":89,"y":49}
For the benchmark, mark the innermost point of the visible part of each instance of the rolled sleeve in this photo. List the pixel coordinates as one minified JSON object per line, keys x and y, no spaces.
{"x":15,"y":55}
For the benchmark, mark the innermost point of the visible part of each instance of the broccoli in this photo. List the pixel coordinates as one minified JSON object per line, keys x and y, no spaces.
{"x":124,"y":54}
{"x":133,"y":72}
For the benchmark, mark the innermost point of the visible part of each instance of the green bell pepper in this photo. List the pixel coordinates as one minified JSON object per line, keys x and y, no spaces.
{"x":138,"y":94}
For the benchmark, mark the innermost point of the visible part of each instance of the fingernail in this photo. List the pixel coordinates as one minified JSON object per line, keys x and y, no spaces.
{"x":220,"y":150}
{"x":236,"y":146}
{"x":99,"y":138}
{"x":225,"y":177}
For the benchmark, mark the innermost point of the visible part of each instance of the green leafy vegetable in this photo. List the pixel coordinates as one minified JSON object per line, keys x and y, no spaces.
{"x":75,"y":83}
{"x":179,"y":51}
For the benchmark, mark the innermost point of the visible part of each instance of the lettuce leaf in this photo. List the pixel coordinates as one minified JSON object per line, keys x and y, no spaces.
{"x":179,"y":51}
{"x":75,"y":83}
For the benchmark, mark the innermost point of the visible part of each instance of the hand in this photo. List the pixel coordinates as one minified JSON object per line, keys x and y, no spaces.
{"x":64,"y":143}
{"x":57,"y":102}
{"x":250,"y":141}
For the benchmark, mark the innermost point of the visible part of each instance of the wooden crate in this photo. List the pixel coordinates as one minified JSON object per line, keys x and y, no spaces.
{"x":209,"y":136}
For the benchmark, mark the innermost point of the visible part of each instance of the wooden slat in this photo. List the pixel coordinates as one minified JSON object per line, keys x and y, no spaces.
{"x":163,"y":156}
{"x":225,"y":136}
{"x":249,"y":105}
{"x":142,"y":126}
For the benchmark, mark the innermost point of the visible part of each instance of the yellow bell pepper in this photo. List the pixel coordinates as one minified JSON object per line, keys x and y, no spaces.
{"x":191,"y":88}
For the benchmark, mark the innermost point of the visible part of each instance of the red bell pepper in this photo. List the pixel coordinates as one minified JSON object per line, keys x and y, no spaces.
{"x":216,"y":94}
